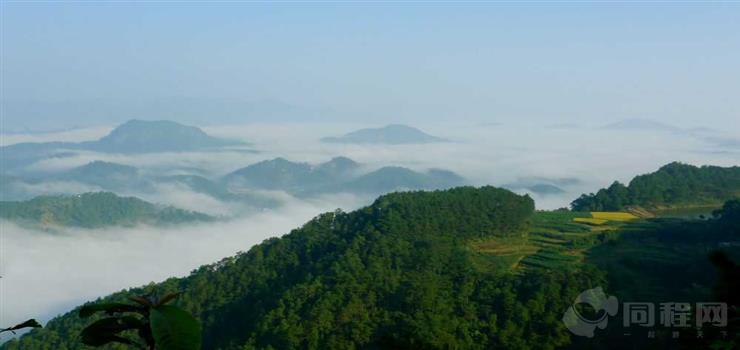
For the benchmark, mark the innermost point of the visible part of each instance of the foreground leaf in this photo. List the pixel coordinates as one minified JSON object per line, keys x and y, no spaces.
{"x":32,"y":323}
{"x":167,"y":298}
{"x":174,"y":329}
{"x":106,"y":330}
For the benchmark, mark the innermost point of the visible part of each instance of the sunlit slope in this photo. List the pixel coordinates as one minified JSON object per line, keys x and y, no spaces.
{"x":396,"y":274}
{"x":675,"y":185}
{"x":648,"y":258}
{"x":462,"y":268}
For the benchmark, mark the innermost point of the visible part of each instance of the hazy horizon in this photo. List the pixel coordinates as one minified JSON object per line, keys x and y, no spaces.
{"x":83,"y":64}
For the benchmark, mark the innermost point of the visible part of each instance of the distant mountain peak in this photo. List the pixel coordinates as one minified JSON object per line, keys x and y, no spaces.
{"x":339,"y":164}
{"x":278,"y":160}
{"x":138,"y":125}
{"x":397,"y":127}
{"x":104,"y":174}
{"x":132,"y":137}
{"x":341,"y":160}
{"x":100,"y":166}
{"x":394,"y":134}
{"x":142,"y":136}
{"x":340,"y":174}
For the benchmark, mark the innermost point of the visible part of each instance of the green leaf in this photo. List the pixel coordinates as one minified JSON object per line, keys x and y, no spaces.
{"x":167,"y":298}
{"x":141,"y":301}
{"x":174,"y":329}
{"x":109,"y":308}
{"x":106,"y":330}
{"x":32,"y":323}
{"x":102,"y":339}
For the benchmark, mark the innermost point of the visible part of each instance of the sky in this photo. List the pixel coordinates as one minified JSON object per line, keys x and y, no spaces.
{"x":75,"y":64}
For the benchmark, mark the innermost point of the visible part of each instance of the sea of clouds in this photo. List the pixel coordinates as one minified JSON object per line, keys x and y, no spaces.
{"x":44,"y":274}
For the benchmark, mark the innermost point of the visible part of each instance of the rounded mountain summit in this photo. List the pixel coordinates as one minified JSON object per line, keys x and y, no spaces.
{"x":393,"y":134}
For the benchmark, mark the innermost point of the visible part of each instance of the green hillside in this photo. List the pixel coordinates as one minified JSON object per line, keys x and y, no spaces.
{"x":92,"y":210}
{"x":396,"y":274}
{"x":673,"y":185}
{"x":464,"y":268}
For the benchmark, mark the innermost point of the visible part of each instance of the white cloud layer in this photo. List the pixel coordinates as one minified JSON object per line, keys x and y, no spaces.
{"x":45,"y":274}
{"x":72,"y":135}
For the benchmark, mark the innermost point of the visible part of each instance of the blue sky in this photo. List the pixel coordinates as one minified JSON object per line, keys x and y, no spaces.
{"x":76,"y":64}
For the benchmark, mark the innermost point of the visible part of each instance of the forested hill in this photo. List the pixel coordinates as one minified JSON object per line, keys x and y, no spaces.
{"x":95,"y":209}
{"x":396,"y":274}
{"x":673,"y":185}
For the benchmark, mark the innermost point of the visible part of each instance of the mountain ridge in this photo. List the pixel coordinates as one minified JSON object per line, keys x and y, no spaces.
{"x":393,"y":134}
{"x":94,"y":210}
{"x":132,"y":137}
{"x":340,"y":174}
{"x":469,"y":268}
{"x":412,"y":245}
{"x":672,"y":185}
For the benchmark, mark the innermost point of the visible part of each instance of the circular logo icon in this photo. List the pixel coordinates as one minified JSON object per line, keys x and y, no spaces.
{"x":604,"y":307}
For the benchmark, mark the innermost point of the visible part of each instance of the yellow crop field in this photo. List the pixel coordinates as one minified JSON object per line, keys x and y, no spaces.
{"x":613,"y":215}
{"x":592,"y":221}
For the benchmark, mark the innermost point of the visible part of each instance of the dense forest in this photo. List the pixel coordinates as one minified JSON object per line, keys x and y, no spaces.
{"x":673,"y":185}
{"x":422,"y":270}
{"x":395,"y":274}
{"x":95,"y":209}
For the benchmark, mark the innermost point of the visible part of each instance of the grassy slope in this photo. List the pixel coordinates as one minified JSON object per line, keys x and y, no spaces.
{"x":631,"y":252}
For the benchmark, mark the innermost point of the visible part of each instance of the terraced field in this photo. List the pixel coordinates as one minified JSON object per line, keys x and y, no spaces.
{"x":645,"y":259}
{"x":650,"y":253}
{"x":556,"y":240}
{"x":591,"y":221}
{"x":613,"y":215}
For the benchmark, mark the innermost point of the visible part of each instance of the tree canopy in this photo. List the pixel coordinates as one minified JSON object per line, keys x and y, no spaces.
{"x":94,"y":209}
{"x":673,"y":185}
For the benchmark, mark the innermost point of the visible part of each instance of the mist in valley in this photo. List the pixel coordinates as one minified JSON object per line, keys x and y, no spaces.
{"x":46,"y":272}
